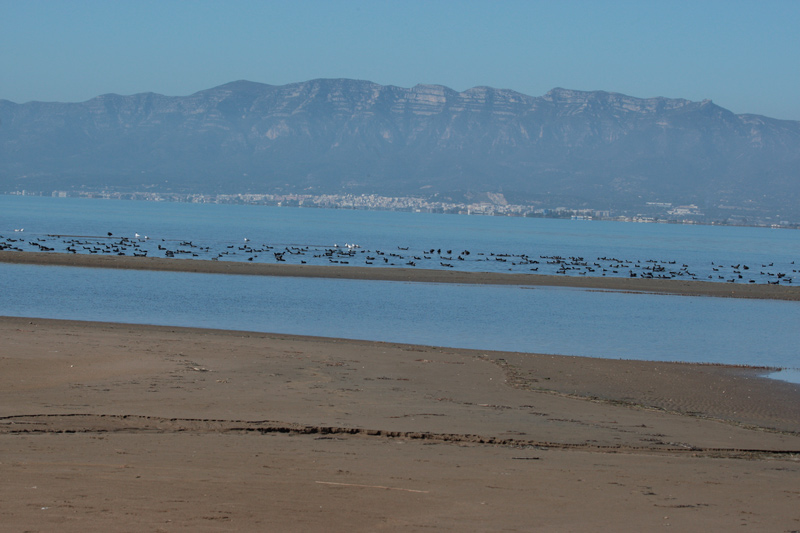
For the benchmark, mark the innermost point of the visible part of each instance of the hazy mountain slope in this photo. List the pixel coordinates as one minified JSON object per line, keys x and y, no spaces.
{"x":598,"y":148}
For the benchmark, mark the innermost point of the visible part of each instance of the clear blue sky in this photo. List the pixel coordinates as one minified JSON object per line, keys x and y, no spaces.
{"x":743,"y":55}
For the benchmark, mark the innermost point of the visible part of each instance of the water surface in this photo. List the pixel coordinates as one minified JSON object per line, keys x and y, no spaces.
{"x":536,"y":320}
{"x":528,"y":319}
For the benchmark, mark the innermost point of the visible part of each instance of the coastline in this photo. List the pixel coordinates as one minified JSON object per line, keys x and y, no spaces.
{"x":658,"y":286}
{"x":121,"y":427}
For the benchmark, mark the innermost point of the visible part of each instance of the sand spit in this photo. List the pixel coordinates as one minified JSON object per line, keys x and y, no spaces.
{"x":677,"y":287}
{"x":119,"y":427}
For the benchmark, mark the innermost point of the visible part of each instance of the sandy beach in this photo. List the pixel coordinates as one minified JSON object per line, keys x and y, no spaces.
{"x":660,"y":286}
{"x":117,"y":427}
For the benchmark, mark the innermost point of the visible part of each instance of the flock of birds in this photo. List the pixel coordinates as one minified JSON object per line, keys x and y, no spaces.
{"x":432,"y":258}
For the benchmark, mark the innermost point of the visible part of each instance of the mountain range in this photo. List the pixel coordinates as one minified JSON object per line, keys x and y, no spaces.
{"x":327,"y":136}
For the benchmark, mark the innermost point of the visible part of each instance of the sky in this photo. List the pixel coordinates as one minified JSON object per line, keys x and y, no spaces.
{"x":743,"y":55}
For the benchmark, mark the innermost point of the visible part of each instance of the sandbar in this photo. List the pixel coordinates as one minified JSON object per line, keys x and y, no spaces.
{"x":660,"y":286}
{"x":117,"y":427}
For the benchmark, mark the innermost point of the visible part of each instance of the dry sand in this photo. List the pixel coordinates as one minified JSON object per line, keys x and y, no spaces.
{"x":112,"y":427}
{"x":661,"y":286}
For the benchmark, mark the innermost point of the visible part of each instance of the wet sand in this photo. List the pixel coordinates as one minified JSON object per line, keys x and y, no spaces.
{"x":118,"y":427}
{"x":661,"y":286}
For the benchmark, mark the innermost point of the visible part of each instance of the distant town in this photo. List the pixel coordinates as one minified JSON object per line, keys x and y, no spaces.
{"x":652,"y":212}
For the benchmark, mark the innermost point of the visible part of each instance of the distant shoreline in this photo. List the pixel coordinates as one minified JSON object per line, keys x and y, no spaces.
{"x":659,"y":286}
{"x":521,"y":211}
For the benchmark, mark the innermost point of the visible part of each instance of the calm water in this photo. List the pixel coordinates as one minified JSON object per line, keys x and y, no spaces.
{"x":548,"y":320}
{"x":496,"y":244}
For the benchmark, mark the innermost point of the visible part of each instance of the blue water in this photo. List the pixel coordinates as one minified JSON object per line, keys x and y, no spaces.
{"x":540,"y":320}
{"x":496,"y":244}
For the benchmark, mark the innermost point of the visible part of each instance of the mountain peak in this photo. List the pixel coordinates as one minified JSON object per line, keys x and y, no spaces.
{"x":333,"y":135}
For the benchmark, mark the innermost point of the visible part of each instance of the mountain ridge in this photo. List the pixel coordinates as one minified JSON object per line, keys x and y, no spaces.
{"x":588,"y":148}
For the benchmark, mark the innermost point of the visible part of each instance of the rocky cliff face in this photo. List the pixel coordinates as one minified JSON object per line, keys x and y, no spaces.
{"x":595,"y":148}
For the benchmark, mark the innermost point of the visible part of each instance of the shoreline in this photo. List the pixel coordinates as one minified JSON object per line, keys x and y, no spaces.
{"x":656,"y":286}
{"x":120,"y":427}
{"x":181,"y":198}
{"x":587,"y":378}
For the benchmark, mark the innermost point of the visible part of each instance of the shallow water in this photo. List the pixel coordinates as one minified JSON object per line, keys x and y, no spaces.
{"x":527,"y":319}
{"x":792,"y":375}
{"x":546,"y":320}
{"x":319,"y":236}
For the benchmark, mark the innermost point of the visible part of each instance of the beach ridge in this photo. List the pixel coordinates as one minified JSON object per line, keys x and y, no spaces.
{"x":404,"y":274}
